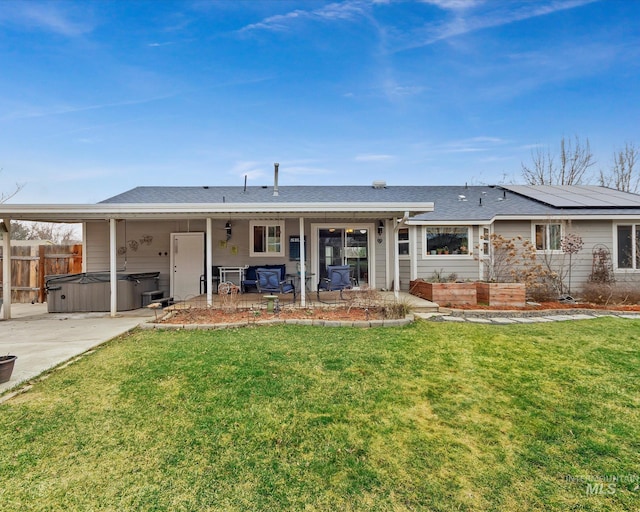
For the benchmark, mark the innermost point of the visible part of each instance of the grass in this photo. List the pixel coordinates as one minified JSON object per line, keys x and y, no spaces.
{"x":429,"y":417}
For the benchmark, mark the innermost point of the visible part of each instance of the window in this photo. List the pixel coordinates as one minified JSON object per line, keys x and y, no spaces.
{"x":266,"y":238}
{"x":447,"y":240}
{"x":548,"y":237}
{"x":485,"y":242}
{"x":628,"y":247}
{"x":403,"y":242}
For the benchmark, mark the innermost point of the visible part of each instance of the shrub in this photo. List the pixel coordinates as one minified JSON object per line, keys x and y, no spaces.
{"x":514,"y":260}
{"x":611,"y":293}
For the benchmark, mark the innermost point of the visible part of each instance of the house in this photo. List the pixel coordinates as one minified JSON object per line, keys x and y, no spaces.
{"x":463,"y":219}
{"x":389,"y":235}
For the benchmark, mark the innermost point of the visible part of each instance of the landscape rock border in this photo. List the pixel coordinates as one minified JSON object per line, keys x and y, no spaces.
{"x":364,"y":324}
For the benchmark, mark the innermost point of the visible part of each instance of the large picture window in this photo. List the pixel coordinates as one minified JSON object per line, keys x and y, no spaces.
{"x":548,"y":237}
{"x":628,"y":247}
{"x":266,"y":238}
{"x":443,"y":240}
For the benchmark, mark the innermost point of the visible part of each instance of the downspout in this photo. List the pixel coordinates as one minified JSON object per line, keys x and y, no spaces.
{"x":396,"y":257}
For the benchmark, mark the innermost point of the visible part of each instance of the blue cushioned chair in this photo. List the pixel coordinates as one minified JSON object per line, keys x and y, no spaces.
{"x":338,"y":278}
{"x":269,"y":281}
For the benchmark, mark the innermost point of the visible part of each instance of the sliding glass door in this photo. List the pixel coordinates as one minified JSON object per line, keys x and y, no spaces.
{"x":345,"y":246}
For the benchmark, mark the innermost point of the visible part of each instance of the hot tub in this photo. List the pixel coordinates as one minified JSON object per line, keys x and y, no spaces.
{"x":91,"y":291}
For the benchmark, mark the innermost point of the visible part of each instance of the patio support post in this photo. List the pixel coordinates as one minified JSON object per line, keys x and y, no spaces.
{"x":396,"y":255}
{"x":6,"y":270}
{"x":209,"y":263}
{"x":113,"y":266}
{"x":303,"y":269}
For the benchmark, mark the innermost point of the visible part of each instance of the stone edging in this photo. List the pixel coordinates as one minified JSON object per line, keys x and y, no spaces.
{"x":400,"y":322}
{"x":535,"y":313}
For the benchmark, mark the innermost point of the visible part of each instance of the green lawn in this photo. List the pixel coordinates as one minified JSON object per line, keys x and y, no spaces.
{"x":434,"y":416}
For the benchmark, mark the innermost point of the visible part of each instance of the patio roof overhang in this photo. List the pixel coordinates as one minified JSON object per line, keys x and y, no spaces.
{"x":82,"y":213}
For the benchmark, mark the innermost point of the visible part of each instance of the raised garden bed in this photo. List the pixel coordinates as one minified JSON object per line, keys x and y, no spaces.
{"x":470,"y":294}
{"x":445,"y":294}
{"x":501,"y":294}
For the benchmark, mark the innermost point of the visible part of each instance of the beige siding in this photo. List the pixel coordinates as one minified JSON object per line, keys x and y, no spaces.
{"x":594,"y":233}
{"x":154,"y":255}
{"x":143,"y":246}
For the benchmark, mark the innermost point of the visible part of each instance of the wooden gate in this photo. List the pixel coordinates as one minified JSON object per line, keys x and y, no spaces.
{"x":30,"y":265}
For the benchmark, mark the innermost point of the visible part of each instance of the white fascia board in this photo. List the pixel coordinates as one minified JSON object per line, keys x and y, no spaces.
{"x":474,"y":222}
{"x":545,"y":217}
{"x":62,"y":212}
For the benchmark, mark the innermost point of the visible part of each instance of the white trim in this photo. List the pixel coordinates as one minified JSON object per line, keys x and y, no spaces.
{"x":6,"y":270}
{"x":303,"y":265}
{"x":113,"y":265}
{"x":388,"y":255}
{"x":547,"y":217}
{"x":78,"y":213}
{"x":267,"y":224}
{"x":84,"y":247}
{"x":208,"y":275}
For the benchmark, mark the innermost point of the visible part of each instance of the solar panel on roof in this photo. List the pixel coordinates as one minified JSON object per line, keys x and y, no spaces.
{"x":577,"y":196}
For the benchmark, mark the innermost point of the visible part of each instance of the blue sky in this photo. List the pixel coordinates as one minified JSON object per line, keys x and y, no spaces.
{"x":97,"y":97}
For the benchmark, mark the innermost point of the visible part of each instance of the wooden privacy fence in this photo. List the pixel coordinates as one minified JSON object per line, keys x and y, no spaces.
{"x":30,"y":265}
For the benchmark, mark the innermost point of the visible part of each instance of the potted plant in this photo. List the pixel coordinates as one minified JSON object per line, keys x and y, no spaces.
{"x":6,"y":367}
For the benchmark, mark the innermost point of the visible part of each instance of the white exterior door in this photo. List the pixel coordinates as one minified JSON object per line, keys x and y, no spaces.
{"x":187,"y":264}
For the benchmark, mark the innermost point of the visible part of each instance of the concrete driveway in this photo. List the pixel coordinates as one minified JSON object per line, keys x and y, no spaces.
{"x":42,"y":340}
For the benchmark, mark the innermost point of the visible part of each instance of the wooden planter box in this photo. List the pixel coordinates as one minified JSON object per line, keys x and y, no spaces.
{"x":452,"y":294}
{"x":501,"y":294}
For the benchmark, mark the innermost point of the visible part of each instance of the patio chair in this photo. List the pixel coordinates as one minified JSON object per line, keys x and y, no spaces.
{"x":268,"y":281}
{"x":338,"y":278}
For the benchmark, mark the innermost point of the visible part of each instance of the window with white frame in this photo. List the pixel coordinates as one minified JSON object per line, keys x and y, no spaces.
{"x":485,"y":242}
{"x":628,"y":246}
{"x":266,"y":238}
{"x":441,"y":240}
{"x":548,"y":236}
{"x":403,"y":242}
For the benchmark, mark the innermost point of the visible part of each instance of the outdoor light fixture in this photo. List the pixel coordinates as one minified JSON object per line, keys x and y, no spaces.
{"x":380,"y":231}
{"x":227,"y":228}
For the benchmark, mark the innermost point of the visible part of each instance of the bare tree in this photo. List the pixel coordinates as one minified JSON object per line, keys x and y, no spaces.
{"x":19,"y":231}
{"x":623,"y":175}
{"x":62,"y":234}
{"x":568,"y":168}
{"x":5,"y":196}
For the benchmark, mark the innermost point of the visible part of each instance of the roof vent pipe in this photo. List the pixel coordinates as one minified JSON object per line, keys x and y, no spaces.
{"x":275,"y":179}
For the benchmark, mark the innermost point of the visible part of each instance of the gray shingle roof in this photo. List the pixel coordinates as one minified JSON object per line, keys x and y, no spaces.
{"x":452,"y":203}
{"x":286,"y":194}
